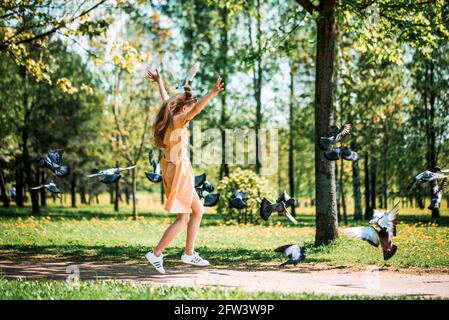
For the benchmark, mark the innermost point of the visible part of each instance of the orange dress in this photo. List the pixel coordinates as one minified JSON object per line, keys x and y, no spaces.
{"x":177,"y":171}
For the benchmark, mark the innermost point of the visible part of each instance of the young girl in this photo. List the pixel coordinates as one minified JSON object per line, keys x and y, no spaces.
{"x":170,"y":133}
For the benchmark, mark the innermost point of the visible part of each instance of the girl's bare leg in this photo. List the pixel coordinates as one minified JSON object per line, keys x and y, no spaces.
{"x":194,"y":224}
{"x":172,"y":231}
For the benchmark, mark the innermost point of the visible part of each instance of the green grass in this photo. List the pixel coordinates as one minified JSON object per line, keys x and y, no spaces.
{"x":96,"y":232}
{"x":104,"y":290}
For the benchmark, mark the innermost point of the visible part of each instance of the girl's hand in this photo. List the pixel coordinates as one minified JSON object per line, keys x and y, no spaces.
{"x":156,"y":77}
{"x":219,"y":86}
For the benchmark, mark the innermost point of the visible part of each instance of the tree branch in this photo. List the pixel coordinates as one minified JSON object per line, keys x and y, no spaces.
{"x":309,"y":6}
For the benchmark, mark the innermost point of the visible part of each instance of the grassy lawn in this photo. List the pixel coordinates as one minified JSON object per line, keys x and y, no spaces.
{"x":96,"y":232}
{"x":103,"y":290}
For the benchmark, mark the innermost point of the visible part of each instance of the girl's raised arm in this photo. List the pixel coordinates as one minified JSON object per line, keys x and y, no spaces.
{"x":156,"y":77}
{"x":199,"y":106}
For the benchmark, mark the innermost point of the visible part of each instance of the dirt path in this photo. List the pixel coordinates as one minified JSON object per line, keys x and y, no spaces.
{"x":369,"y":281}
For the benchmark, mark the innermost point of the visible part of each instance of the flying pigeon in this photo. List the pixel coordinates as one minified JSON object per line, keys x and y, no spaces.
{"x":49,"y":186}
{"x":280,"y":206}
{"x":426,"y":176}
{"x":171,"y":63}
{"x":387,"y":223}
{"x":154,"y":176}
{"x":110,"y":175}
{"x":295,"y":253}
{"x":437,"y":193}
{"x":238,"y":199}
{"x":204,"y":191}
{"x":335,"y":135}
{"x":341,"y":152}
{"x":53,"y":161}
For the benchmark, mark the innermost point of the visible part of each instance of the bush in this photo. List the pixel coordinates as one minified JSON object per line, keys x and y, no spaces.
{"x":244,"y":181}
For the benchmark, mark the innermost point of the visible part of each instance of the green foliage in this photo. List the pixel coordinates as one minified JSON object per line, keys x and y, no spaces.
{"x":244,"y":181}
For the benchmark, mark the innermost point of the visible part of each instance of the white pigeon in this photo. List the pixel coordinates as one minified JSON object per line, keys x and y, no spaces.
{"x":51,"y":186}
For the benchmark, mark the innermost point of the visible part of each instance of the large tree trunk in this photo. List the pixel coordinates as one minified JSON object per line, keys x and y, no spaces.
{"x":367,"y":188}
{"x":5,"y":198}
{"x":326,"y":211}
{"x":258,"y":86}
{"x":291,"y":139}
{"x":356,"y":188}
{"x":19,"y":199}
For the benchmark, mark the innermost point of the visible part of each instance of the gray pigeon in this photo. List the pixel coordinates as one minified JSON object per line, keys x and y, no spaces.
{"x":154,"y":176}
{"x":238,"y":199}
{"x":204,"y":191}
{"x":437,"y":193}
{"x":51,"y":186}
{"x":280,"y":206}
{"x":335,"y":135}
{"x":341,"y":153}
{"x":426,"y":176}
{"x":53,"y":161}
{"x":295,"y":253}
{"x":110,"y":175}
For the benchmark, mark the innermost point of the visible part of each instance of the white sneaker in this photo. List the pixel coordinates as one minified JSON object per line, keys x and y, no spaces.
{"x":194,"y":259}
{"x":157,"y":262}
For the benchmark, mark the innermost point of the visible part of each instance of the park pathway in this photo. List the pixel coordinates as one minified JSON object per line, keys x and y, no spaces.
{"x":329,"y":280}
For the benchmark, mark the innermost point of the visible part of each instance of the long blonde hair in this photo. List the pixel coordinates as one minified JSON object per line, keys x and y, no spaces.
{"x":169,"y":109}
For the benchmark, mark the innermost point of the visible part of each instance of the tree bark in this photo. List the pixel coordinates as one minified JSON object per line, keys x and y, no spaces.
{"x":326,"y":211}
{"x":342,"y":194}
{"x":373,"y":188}
{"x":5,"y":198}
{"x":367,"y":188}
{"x":117,"y":191}
{"x":43,"y":192}
{"x":258,"y":86}
{"x":356,"y":188}
{"x":19,"y":182}
{"x":73,"y":190}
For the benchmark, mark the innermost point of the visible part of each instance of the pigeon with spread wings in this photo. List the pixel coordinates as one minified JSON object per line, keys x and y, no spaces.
{"x":280,"y":206}
{"x":335,"y":135}
{"x":51,"y":186}
{"x":110,"y":175}
{"x":426,"y":176}
{"x":238,"y":199}
{"x":386,"y":220}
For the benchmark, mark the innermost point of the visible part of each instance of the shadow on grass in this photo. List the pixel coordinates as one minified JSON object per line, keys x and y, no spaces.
{"x":238,"y":258}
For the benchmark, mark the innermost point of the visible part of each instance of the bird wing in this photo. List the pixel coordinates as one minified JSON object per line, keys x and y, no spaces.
{"x":344,"y":131}
{"x":392,"y":217}
{"x":192,"y":72}
{"x":62,"y":171}
{"x":158,"y":169}
{"x":151,"y":159}
{"x":443,"y":185}
{"x":283,"y":248}
{"x":127,"y":168}
{"x":38,"y":187}
{"x":94,"y":175}
{"x":412,"y":184}
{"x":368,"y":234}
